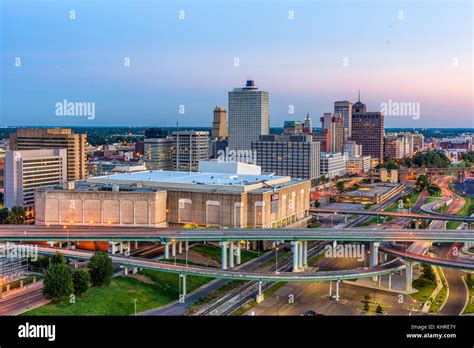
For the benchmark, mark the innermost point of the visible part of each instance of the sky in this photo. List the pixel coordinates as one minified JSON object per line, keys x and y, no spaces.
{"x":185,"y":56}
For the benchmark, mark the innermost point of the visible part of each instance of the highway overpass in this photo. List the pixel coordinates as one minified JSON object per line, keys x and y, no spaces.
{"x":117,"y":234}
{"x":435,"y":216}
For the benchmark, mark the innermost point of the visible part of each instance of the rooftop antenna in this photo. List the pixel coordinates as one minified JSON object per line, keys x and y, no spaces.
{"x":359,"y":96}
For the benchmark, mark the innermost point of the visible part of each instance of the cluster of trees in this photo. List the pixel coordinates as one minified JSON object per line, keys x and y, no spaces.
{"x":468,"y":157}
{"x":14,"y":216}
{"x":422,"y":182}
{"x":61,"y":281}
{"x":429,"y":159}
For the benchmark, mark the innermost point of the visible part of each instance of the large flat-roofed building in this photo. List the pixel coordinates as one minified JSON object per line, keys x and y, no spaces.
{"x":293,"y":155}
{"x":44,"y":138}
{"x":371,"y":193}
{"x":358,"y":164}
{"x":101,"y":204}
{"x":158,"y":153}
{"x":27,"y":170}
{"x":201,"y":198}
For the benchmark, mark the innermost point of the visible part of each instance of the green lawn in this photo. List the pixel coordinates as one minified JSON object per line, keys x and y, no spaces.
{"x":466,"y":210}
{"x":425,"y":289}
{"x":215,"y":252}
{"x":117,"y":298}
{"x":470,"y":305}
{"x":441,"y":297}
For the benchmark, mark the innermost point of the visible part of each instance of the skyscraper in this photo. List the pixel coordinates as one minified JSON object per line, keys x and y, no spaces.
{"x":190,"y":148}
{"x":308,"y":125}
{"x":248,"y":116}
{"x":219,"y":124}
{"x":344,"y":108}
{"x":43,"y":138}
{"x":368,"y":130}
{"x":358,"y":107}
{"x":334,"y":126}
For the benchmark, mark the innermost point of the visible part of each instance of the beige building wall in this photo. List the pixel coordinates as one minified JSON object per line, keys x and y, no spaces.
{"x":118,"y":208}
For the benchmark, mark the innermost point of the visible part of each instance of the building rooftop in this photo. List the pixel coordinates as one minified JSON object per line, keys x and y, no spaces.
{"x":196,"y":180}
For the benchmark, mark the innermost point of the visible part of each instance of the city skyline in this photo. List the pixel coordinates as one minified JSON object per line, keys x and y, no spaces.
{"x":194,"y":58}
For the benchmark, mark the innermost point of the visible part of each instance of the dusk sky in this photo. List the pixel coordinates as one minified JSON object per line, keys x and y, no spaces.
{"x":404,"y":51}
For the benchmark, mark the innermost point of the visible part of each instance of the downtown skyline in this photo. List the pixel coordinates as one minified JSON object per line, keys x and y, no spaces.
{"x":420,"y":55}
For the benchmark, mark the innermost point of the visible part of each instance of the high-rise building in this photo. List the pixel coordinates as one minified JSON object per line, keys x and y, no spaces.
{"x":308,"y":125}
{"x":418,"y":142}
{"x":158,"y":153}
{"x":27,"y":170}
{"x":332,"y":164}
{"x":358,"y":164}
{"x":248,"y":116}
{"x":393,"y":147}
{"x":368,"y":130}
{"x":219,"y":124}
{"x":334,"y":125}
{"x":190,"y":147}
{"x":293,"y":155}
{"x":344,"y":108}
{"x":43,"y":138}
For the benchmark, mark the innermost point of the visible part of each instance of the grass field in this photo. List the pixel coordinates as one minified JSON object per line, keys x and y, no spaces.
{"x":118,"y":297}
{"x":215,"y":253}
{"x":470,"y":305}
{"x":466,"y":210}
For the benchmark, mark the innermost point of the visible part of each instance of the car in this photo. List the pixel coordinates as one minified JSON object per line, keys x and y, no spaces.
{"x":309,"y":313}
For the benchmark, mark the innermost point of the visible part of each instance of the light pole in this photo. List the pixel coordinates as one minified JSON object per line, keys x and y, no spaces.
{"x":276,"y":260}
{"x":278,"y":298}
{"x":186,"y":247}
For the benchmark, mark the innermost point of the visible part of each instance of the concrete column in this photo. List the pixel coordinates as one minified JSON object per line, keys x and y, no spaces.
{"x":295,"y":256}
{"x":186,"y":246}
{"x":305,"y":253}
{"x":136,"y":244}
{"x":180,"y":247}
{"x":76,"y":265}
{"x":231,"y":254}
{"x":183,"y":282}
{"x":173,"y":249}
{"x":121,"y":248}
{"x":223,"y":254}
{"x":60,"y":244}
{"x":247,"y":245}
{"x":337,"y":290}
{"x":300,"y":255}
{"x":167,"y":250}
{"x":416,"y":224}
{"x":374,"y":253}
{"x":113,"y":248}
{"x":390,"y":281}
{"x":128,"y":248}
{"x":409,"y":277}
{"x":260,"y":294}
{"x":125,"y":270}
{"x":238,"y":258}
{"x":330,"y":288}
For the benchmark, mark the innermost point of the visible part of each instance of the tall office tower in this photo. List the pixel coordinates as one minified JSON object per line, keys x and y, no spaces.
{"x":248,"y":116}
{"x":358,"y":107}
{"x":334,"y":125}
{"x":344,"y":108}
{"x":42,"y":138}
{"x":308,"y":125}
{"x":219,"y":124}
{"x":190,"y":147}
{"x":368,"y":131}
{"x":393,"y":147}
{"x":26,"y":170}
{"x":292,"y":155}
{"x":158,"y":153}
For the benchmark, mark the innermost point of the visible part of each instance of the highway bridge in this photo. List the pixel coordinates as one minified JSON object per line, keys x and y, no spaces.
{"x":435,"y":216}
{"x":166,"y":235}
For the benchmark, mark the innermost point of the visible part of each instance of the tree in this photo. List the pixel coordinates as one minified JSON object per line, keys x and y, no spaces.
{"x":100,"y":269}
{"x":428,"y":273}
{"x":17,"y":216}
{"x":58,"y":259}
{"x":80,"y":280}
{"x":379,"y":309}
{"x":366,"y":305}
{"x":434,"y":190}
{"x":57,"y":282}
{"x":469,"y":279}
{"x":340,"y":186}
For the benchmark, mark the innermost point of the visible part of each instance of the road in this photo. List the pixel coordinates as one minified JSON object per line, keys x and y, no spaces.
{"x":18,"y":304}
{"x":457,"y":290}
